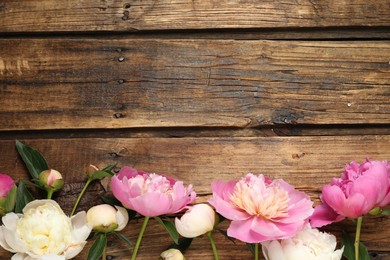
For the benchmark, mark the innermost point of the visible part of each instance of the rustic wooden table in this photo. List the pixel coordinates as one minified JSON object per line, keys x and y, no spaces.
{"x":198,"y":90}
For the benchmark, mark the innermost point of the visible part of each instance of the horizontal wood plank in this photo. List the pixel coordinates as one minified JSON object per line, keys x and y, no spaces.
{"x":146,"y":15}
{"x":91,"y":83}
{"x":305,"y":162}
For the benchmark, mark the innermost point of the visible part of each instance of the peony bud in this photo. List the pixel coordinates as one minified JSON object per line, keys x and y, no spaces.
{"x":197,"y":221}
{"x":51,"y":180}
{"x":90,"y":170}
{"x":7,"y":194}
{"x":105,"y":218}
{"x":172,"y":254}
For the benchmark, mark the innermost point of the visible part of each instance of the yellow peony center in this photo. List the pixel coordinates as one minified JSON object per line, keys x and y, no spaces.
{"x":45,"y":230}
{"x":258,"y":199}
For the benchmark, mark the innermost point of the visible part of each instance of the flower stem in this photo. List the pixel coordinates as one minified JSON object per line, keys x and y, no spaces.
{"x":141,"y":233}
{"x":49,"y":194}
{"x":104,"y":254}
{"x":213,"y":245}
{"x":79,"y":197}
{"x":357,"y":236}
{"x":257,"y":251}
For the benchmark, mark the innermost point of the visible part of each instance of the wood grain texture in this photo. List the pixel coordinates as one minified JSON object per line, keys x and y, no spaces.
{"x":305,"y":162}
{"x":90,"y":83}
{"x":141,"y":15}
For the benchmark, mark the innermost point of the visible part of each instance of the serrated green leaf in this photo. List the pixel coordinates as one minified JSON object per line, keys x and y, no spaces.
{"x":251,"y":248}
{"x":11,"y":199}
{"x":123,"y":238}
{"x":34,"y":160}
{"x":170,"y":227}
{"x":99,"y":175}
{"x":96,"y":250}
{"x":183,"y":245}
{"x":23,"y":196}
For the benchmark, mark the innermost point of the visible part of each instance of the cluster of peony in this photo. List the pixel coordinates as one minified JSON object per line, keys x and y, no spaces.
{"x":261,"y":211}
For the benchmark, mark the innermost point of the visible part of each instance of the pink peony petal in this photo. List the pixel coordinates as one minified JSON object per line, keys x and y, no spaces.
{"x":324,"y":215}
{"x":242,"y":231}
{"x":152,"y":204}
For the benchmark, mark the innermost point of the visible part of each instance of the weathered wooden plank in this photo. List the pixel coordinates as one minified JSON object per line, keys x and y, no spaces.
{"x":91,"y":83}
{"x":305,"y":162}
{"x":141,"y":15}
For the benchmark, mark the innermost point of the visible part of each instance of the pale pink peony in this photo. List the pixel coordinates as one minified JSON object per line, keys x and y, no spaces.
{"x":260,"y":208}
{"x":360,"y":188}
{"x":6,"y":184}
{"x":150,"y":194}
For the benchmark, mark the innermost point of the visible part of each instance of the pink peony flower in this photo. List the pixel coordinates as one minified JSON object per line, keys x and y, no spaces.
{"x":261,"y":209}
{"x":150,"y":194}
{"x":6,"y":184}
{"x":361,"y":188}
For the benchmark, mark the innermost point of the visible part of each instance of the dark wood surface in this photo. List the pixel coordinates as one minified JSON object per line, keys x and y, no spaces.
{"x":199,"y":90}
{"x":146,"y":15}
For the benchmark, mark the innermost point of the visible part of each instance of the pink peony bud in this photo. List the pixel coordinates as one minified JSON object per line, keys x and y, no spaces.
{"x":51,"y":179}
{"x":7,"y":194}
{"x":198,"y":220}
{"x":105,"y":218}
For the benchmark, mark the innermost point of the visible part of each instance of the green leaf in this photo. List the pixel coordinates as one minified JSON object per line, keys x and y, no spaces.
{"x":99,"y":175}
{"x":363,"y":252}
{"x":122,"y":237}
{"x":109,"y":168}
{"x":385,"y":212}
{"x":251,"y":248}
{"x":170,"y":227}
{"x":34,"y":160}
{"x":348,"y":243}
{"x":11,"y":199}
{"x":97,"y":248}
{"x":183,"y":245}
{"x":23,"y":196}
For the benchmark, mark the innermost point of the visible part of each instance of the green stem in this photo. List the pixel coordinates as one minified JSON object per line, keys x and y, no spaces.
{"x":257,"y":251}
{"x":357,"y":236}
{"x":213,"y":245}
{"x":104,"y":255}
{"x":49,"y":194}
{"x":79,"y":197}
{"x":141,"y":233}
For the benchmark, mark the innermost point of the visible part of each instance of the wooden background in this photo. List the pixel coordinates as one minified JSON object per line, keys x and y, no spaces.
{"x":198,"y":90}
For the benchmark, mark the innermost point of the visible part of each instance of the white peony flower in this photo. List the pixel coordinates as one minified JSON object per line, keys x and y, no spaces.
{"x":44,"y":232}
{"x":309,"y":244}
{"x":105,"y":218}
{"x":197,"y":221}
{"x":172,"y":254}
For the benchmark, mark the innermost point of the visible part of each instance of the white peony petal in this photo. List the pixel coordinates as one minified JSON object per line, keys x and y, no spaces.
{"x":74,"y":250}
{"x":80,"y":228}
{"x":3,"y":242}
{"x":122,"y":218}
{"x":52,"y":257}
{"x":14,"y":241}
{"x":273,"y":250}
{"x":36,"y":203}
{"x":10,"y":221}
{"x":19,"y":256}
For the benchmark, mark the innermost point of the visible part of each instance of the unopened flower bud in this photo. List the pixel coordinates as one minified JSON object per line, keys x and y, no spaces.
{"x":105,"y":218}
{"x":172,"y":254}
{"x":7,"y":194}
{"x":51,"y":180}
{"x":197,"y":221}
{"x":91,"y":169}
